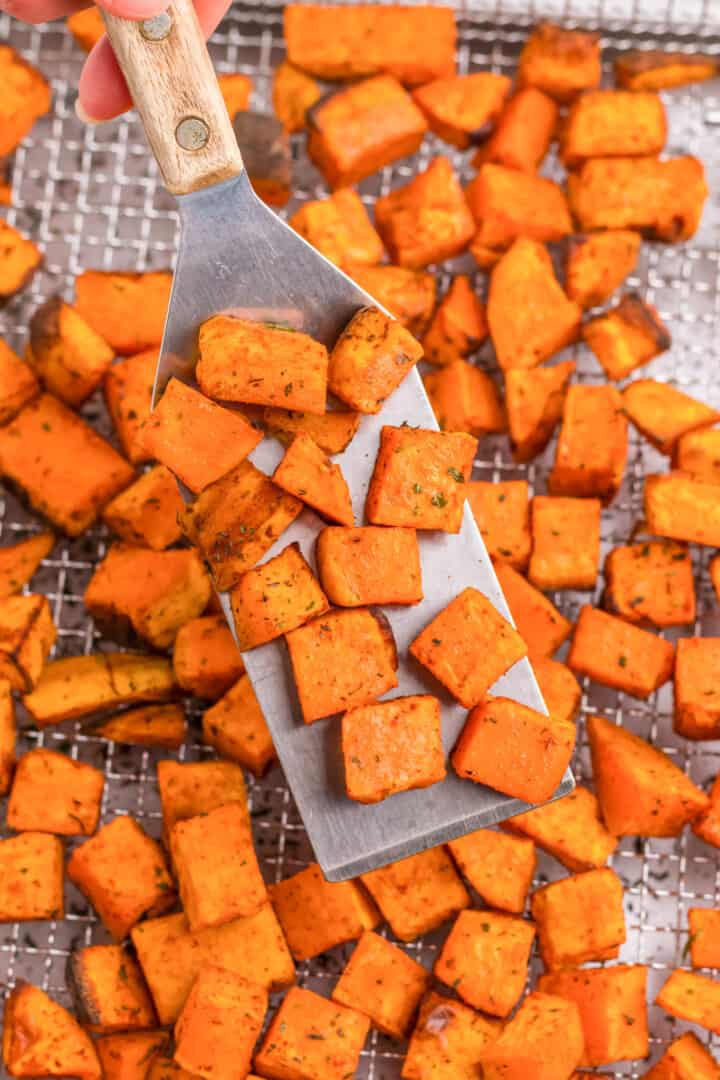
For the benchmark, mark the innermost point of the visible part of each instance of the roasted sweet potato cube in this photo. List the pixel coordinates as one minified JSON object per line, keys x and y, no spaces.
{"x":458,"y":327}
{"x":333,"y":431}
{"x":663,"y":414}
{"x":558,"y":686}
{"x":18,"y":562}
{"x":447,"y":1041}
{"x":67,"y":354}
{"x":108,"y":989}
{"x":236,"y":727}
{"x":40,"y":1038}
{"x":613,"y":123}
{"x":311,"y":1037}
{"x":698,"y":454}
{"x":697,"y":694}
{"x":217,"y":869}
{"x":128,"y":389}
{"x":27,"y":634}
{"x":8,"y":732}
{"x":468,"y":646}
{"x":126,"y":309}
{"x":514,"y":749}
{"x":641,"y":790}
{"x":522,"y":133}
{"x":499,"y":867}
{"x":369,"y":565}
{"x":150,"y":725}
{"x":122,"y":872}
{"x":460,"y":108}
{"x":26,"y":97}
{"x":682,"y":508}
{"x":662,"y":199}
{"x":383,"y":983}
{"x":18,"y":383}
{"x":275,"y":598}
{"x":560,"y":62}
{"x":685,"y":1059}
{"x":370,"y":359}
{"x":529,"y":315}
{"x":707,"y":824}
{"x":626,"y":337}
{"x":19,"y":259}
{"x":618,"y":654}
{"x":146,"y":513}
{"x":43,"y":447}
{"x":31,"y":878}
{"x":465,"y":398}
{"x":579,"y":918}
{"x":236,"y":90}
{"x":704,"y":937}
{"x":164,"y":1068}
{"x":418,"y":894}
{"x":86,"y":26}
{"x":360,"y":128}
{"x":52,"y":793}
{"x":539,"y":623}
{"x":308,"y":474}
{"x":327,"y":682}
{"x":590,"y":465}
{"x":655,"y":69}
{"x":651,"y":582}
{"x":339,"y":227}
{"x":534,"y":401}
{"x":205,"y":657}
{"x":409,"y":295}
{"x":419,"y":479}
{"x":507,"y":204}
{"x":502,"y":514}
{"x":216,"y":1032}
{"x":293,"y":93}
{"x":612,"y":1009}
{"x":566,"y":542}
{"x":598,"y":263}
{"x":570,"y":829}
{"x":129,"y":1055}
{"x":195,"y":788}
{"x":544,"y":1040}
{"x":316,"y":915}
{"x":485,"y":959}
{"x":692,"y":997}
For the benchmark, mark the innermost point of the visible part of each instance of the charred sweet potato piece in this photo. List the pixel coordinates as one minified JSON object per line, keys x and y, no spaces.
{"x":409,"y":295}
{"x":579,"y":918}
{"x":651,"y":582}
{"x":683,"y":508}
{"x":458,"y":327}
{"x":293,"y":93}
{"x":18,"y":383}
{"x":195,"y":788}
{"x":613,"y":123}
{"x":52,"y":793}
{"x":570,"y":829}
{"x":465,"y":398}
{"x":662,"y":199}
{"x":654,"y":69}
{"x":236,"y":90}
{"x":692,"y":997}
{"x":534,"y":401}
{"x":236,"y":727}
{"x":19,"y":257}
{"x":216,"y":1031}
{"x":65,"y":351}
{"x":26,"y":97}
{"x":540,"y":624}
{"x":587,"y":464}
{"x":626,"y":337}
{"x":150,"y":725}
{"x":560,"y":62}
{"x":507,"y":204}
{"x":316,"y":915}
{"x":87,"y":27}
{"x":260,"y":364}
{"x":108,"y":989}
{"x":40,"y":1038}
{"x":128,"y":389}
{"x":522,"y":133}
{"x":566,"y":542}
{"x":559,"y":687}
{"x":418,"y":894}
{"x":615,"y":653}
{"x":685,"y":1059}
{"x":340,"y":229}
{"x":697,"y":453}
{"x":370,"y":359}
{"x":27,"y":634}
{"x":383,"y":983}
{"x":46,"y":445}
{"x":663,"y":414}
{"x":205,"y":657}
{"x":697,"y":697}
{"x":543,"y":1039}
{"x":146,"y":513}
{"x":275,"y":598}
{"x":596,"y":264}
{"x":129,"y":1055}
{"x":499,"y":867}
{"x":126,"y":310}
{"x":459,"y":108}
{"x":332,"y":432}
{"x":447,"y":1041}
{"x":502,"y":514}
{"x":308,"y":474}
{"x":704,"y":937}
{"x":18,"y":562}
{"x":358,"y":129}
{"x":8,"y":733}
{"x":529,"y":315}
{"x":369,"y":565}
{"x":31,"y":878}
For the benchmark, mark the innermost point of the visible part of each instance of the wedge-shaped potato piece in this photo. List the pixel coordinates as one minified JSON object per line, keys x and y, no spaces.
{"x":597,"y":264}
{"x":18,"y":383}
{"x":275,"y":598}
{"x":570,"y":829}
{"x":682,"y":508}
{"x":692,"y":997}
{"x":87,"y":27}
{"x":8,"y":733}
{"x":127,"y":310}
{"x":26,"y":97}
{"x":663,"y":414}
{"x":418,"y":894}
{"x":697,"y":692}
{"x":128,"y":389}
{"x":342,"y":660}
{"x":514,"y":749}
{"x":534,"y":401}
{"x":641,"y":791}
{"x":108,"y":989}
{"x":370,"y":359}
{"x":146,"y":513}
{"x":31,"y":878}
{"x":529,"y":315}
{"x":46,"y":445}
{"x":236,"y":727}
{"x":333,"y":431}
{"x":500,"y":868}
{"x":460,"y":108}
{"x":419,"y":479}
{"x":236,"y":520}
{"x":615,"y":653}
{"x":558,"y":686}
{"x":27,"y":634}
{"x":65,"y":351}
{"x":704,"y":937}
{"x":566,"y":542}
{"x":655,"y":69}
{"x":507,"y":204}
{"x":698,"y":454}
{"x":236,"y":90}
{"x":40,"y":1038}
{"x":502,"y":514}
{"x":123,"y":874}
{"x":383,"y":983}
{"x":307,"y":473}
{"x":626,"y":337}
{"x":340,"y":229}
{"x":150,"y":725}
{"x":129,"y":1055}
{"x":612,"y":1008}
{"x":544,"y":1039}
{"x":662,"y":199}
{"x":293,"y":93}
{"x":539,"y":623}
{"x":613,"y":123}
{"x":369,"y":565}
{"x":409,"y":295}
{"x":592,"y":446}
{"x":458,"y":327}
{"x":216,"y":1032}
{"x":560,"y":62}
{"x":358,"y":129}
{"x":19,"y":257}
{"x":195,"y":788}
{"x":465,"y":398}
{"x":52,"y":793}
{"x":522,"y":133}
{"x":686,"y":1058}
{"x":579,"y":918}
{"x":447,"y":1041}
{"x":205,"y":657}
{"x":651,"y":582}
{"x":18,"y":562}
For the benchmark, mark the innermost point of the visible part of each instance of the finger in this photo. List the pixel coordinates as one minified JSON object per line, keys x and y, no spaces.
{"x":40,"y":11}
{"x":133,"y":9}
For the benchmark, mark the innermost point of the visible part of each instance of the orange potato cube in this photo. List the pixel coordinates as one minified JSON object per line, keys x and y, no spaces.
{"x":40,"y":1038}
{"x":340,"y":229}
{"x":53,"y":793}
{"x":539,"y":623}
{"x":18,"y":383}
{"x":108,"y":989}
{"x":370,"y":359}
{"x":704,"y":939}
{"x":369,"y":565}
{"x":18,"y":562}
{"x":485,"y":958}
{"x":590,"y":466}
{"x":146,"y":513}
{"x":628,"y":336}
{"x":86,"y":26}
{"x":293,"y":93}
{"x":128,"y":390}
{"x":570,"y":829}
{"x":500,"y":868}
{"x":307,"y":473}
{"x":685,"y":1059}
{"x":126,"y":309}
{"x":663,"y":414}
{"x":216,"y":1032}
{"x":613,"y":123}
{"x":8,"y":734}
{"x":698,"y":454}
{"x":31,"y":878}
{"x":579,"y":918}
{"x":383,"y":983}
{"x":236,"y":727}
{"x":20,"y":257}
{"x":460,"y":107}
{"x":26,"y":97}
{"x":560,"y":62}
{"x":236,"y":90}
{"x":651,"y":582}
{"x":697,"y":693}
{"x":615,"y":653}
{"x":566,"y":542}
{"x":275,"y":598}
{"x":358,"y":129}
{"x":447,"y":1041}
{"x":598,"y":263}
{"x":534,"y":401}
{"x":419,"y":479}
{"x":543,"y":1041}
{"x":502,"y":514}
{"x":641,"y":790}
{"x":417,"y":894}
{"x":656,"y":69}
{"x":206,"y":660}
{"x":27,"y":634}
{"x":514,"y":749}
{"x":192,"y":789}
{"x":458,"y":327}
{"x":150,"y":725}
{"x":522,"y":133}
{"x":683,"y":508}
{"x":558,"y":686}
{"x":707,"y":824}
{"x":65,"y":351}
{"x":333,"y":431}
{"x":409,"y":295}
{"x":128,"y":1055}
{"x":692,"y":997}
{"x":465,"y":398}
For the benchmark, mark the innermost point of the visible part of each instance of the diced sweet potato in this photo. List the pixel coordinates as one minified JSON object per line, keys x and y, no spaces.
{"x":40,"y":1038}
{"x":570,"y":829}
{"x":129,"y":1055}
{"x":692,"y":997}
{"x":26,"y":97}
{"x":216,"y":1032}
{"x":458,"y":327}
{"x":236,"y":727}
{"x":655,"y":69}
{"x":236,"y":89}
{"x":275,"y":598}
{"x":369,"y":565}
{"x":164,"y":1068}
{"x":460,"y":107}
{"x":307,"y":473}
{"x":340,"y":229}
{"x":685,"y":1059}
{"x":86,"y":26}
{"x":293,"y":93}
{"x":409,"y":295}
{"x":485,"y":958}
{"x":27,"y":634}
{"x":127,"y":310}
{"x":65,"y":351}
{"x":641,"y":791}
{"x":566,"y":542}
{"x":579,"y":918}
{"x":628,"y":336}
{"x":662,"y":199}
{"x":514,"y":749}
{"x":522,"y":133}
{"x":31,"y":878}
{"x":333,"y":431}
{"x":370,"y":359}
{"x":529,"y":315}
{"x":613,"y":123}
{"x":316,"y":915}
{"x":558,"y":686}
{"x":447,"y":1041}
{"x":697,"y":692}
{"x":146,"y":513}
{"x":507,"y":204}
{"x":682,"y":508}
{"x":539,"y":623}
{"x":543,"y":1041}
{"x":205,"y":657}
{"x":150,"y":725}
{"x":418,"y":894}
{"x":534,"y":401}
{"x":18,"y":383}
{"x":358,"y":129}
{"x":663,"y":414}
{"x":704,"y":937}
{"x":419,"y":479}
{"x":500,"y":868}
{"x":128,"y":389}
{"x":465,"y":398}
{"x":592,"y":446}
{"x":698,"y":454}
{"x":502,"y":514}
{"x":19,"y":257}
{"x":615,"y":653}
{"x":598,"y":263}
{"x":8,"y":733}
{"x":108,"y":989}
{"x":707,"y":824}
{"x":195,"y":788}
{"x":651,"y":582}
{"x":560,"y":62}
{"x":52,"y":793}
{"x":18,"y":562}
{"x":383,"y":983}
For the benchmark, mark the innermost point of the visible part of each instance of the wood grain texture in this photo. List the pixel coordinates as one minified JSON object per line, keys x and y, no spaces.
{"x":172,"y":80}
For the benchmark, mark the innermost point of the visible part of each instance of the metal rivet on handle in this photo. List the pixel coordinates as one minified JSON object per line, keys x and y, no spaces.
{"x":157,"y":28}
{"x":192,"y":133}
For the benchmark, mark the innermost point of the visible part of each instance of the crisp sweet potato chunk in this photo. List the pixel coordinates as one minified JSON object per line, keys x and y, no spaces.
{"x":663,"y":414}
{"x":651,"y":582}
{"x":308,"y":474}
{"x":293,"y":93}
{"x":566,"y":542}
{"x":543,"y":1040}
{"x":507,"y":204}
{"x":216,"y":1032}
{"x":18,"y":383}
{"x":522,"y":133}
{"x":598,"y":263}
{"x":683,"y":508}
{"x":195,"y":788}
{"x":529,"y":315}
{"x":460,"y":107}
{"x":360,"y":128}
{"x":128,"y":389}
{"x":27,"y":634}
{"x":707,"y":824}
{"x":52,"y":793}
{"x":570,"y":829}
{"x":692,"y":997}
{"x":409,"y":295}
{"x":340,"y":229}
{"x":19,"y":257}
{"x":464,"y":398}
{"x":333,"y":431}
{"x":613,"y":123}
{"x":127,"y":310}
{"x":615,"y":653}
{"x":316,"y":915}
{"x":26,"y":97}
{"x":275,"y":598}
{"x":704,"y":937}
{"x":31,"y":877}
{"x":383,"y":983}
{"x":418,"y":894}
{"x":18,"y":562}
{"x":558,"y":686}
{"x":149,"y":725}
{"x":87,"y":27}
{"x":40,"y":1038}
{"x":560,"y":62}
{"x":311,"y":1037}
{"x":534,"y":401}
{"x":370,"y":359}
{"x":579,"y":918}
{"x":108,"y":988}
{"x":129,"y":1055}
{"x":236,"y":727}
{"x":205,"y":657}
{"x":686,"y":1058}
{"x":447,"y":1041}
{"x":592,"y":447}
{"x":500,"y":868}
{"x":236,"y":90}
{"x":369,"y":565}
{"x":654,"y":69}
{"x":146,"y":513}
{"x":540,"y":624}
{"x":697,"y":690}
{"x":8,"y":733}
{"x":502,"y":514}
{"x":458,"y":327}
{"x":65,"y":351}
{"x":626,"y":337}
{"x":485,"y":958}
{"x":698,"y":454}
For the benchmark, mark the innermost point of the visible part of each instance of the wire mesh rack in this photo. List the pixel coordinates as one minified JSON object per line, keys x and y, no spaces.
{"x":92,"y":198}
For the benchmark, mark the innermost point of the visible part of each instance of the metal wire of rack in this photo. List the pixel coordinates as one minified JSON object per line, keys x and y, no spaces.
{"x":92,"y":199}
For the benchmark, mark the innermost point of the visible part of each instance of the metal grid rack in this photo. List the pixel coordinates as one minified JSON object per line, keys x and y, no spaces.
{"x":92,"y":199}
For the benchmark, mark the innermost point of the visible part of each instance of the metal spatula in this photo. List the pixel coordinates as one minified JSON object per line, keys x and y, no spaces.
{"x":237,"y":256}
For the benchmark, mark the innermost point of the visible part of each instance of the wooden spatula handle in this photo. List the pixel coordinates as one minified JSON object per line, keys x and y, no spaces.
{"x":171,"y":78}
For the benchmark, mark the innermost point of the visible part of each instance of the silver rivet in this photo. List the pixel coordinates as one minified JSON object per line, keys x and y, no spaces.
{"x":192,"y":133}
{"x":157,"y":28}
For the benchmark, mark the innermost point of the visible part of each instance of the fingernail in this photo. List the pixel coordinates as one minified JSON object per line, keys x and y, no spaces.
{"x":83,"y":115}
